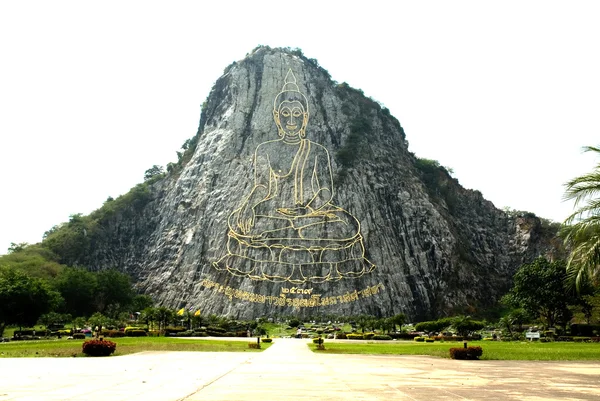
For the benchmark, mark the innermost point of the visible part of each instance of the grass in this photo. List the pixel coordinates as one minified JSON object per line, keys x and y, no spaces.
{"x":492,"y":350}
{"x":125,"y":345}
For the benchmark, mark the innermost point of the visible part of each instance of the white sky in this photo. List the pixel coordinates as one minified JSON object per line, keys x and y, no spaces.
{"x":94,"y":93}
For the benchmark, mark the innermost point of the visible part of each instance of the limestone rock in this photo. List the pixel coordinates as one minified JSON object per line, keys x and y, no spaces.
{"x":435,"y":247}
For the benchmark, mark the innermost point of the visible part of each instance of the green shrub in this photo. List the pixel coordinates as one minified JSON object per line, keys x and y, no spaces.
{"x":429,"y":340}
{"x":368,"y":336}
{"x":341,"y":335}
{"x":79,"y":336}
{"x":381,"y":337}
{"x":354,"y":336}
{"x":254,"y":345}
{"x":316,"y":340}
{"x":582,"y":339}
{"x":267,"y":340}
{"x":175,"y":329}
{"x":136,"y":333}
{"x":98,"y":347}
{"x":419,"y":339}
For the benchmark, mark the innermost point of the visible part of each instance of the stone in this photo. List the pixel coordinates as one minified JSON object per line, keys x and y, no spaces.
{"x":383,"y":236}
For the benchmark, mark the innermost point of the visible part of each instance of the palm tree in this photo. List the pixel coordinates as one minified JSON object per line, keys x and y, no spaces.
{"x":581,"y":229}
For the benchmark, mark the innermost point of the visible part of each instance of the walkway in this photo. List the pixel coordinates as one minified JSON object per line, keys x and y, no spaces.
{"x":288,"y":370}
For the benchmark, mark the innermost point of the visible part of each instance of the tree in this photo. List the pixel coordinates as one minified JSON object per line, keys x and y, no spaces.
{"x":398,"y":320}
{"x":436,"y":326}
{"x":114,"y":291}
{"x":465,"y":326}
{"x":540,"y":289}
{"x":581,"y":230}
{"x":164,"y":316}
{"x":17,"y":247}
{"x":33,"y":260}
{"x":149,"y":315}
{"x":54,"y":319}
{"x":141,"y":302}
{"x":23,"y":299}
{"x":153,"y":172}
{"x":100,"y":321}
{"x":78,"y":287}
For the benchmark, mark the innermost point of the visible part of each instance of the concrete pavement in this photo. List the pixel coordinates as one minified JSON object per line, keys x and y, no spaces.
{"x":288,"y":370}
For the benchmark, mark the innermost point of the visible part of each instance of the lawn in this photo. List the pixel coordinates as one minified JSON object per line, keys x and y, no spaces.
{"x":492,"y":350}
{"x":125,"y":345}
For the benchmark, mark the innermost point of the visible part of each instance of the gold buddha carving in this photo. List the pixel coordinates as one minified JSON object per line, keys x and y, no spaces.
{"x":288,"y":229}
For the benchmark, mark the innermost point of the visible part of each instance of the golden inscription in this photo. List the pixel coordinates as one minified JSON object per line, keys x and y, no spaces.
{"x":285,"y":298}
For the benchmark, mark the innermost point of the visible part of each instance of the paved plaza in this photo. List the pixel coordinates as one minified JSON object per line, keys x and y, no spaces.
{"x":288,"y":370}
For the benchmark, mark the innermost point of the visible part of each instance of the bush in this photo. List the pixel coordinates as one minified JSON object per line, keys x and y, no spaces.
{"x":341,"y":335}
{"x":176,"y":329}
{"x":404,"y":336}
{"x":99,"y":347}
{"x":136,"y":333}
{"x":215,"y":331}
{"x":32,"y":332}
{"x":419,"y":339}
{"x":466,"y":353}
{"x":582,"y":339}
{"x":579,"y":329}
{"x":267,"y":340}
{"x":254,"y":345}
{"x":353,"y":336}
{"x":79,"y":336}
{"x":316,"y":340}
{"x":113,"y":333}
{"x":368,"y":336}
{"x":381,"y":337}
{"x":429,"y":340}
{"x":458,"y":353}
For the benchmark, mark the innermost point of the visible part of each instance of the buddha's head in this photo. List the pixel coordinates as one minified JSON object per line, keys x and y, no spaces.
{"x":290,"y":110}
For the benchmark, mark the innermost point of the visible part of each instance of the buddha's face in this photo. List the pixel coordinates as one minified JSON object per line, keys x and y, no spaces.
{"x":291,"y":117}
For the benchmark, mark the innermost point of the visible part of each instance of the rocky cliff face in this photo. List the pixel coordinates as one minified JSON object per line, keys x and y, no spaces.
{"x":383,"y":235}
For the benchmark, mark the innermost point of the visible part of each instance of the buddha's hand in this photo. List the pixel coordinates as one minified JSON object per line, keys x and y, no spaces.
{"x":246,"y":220}
{"x":298,"y":211}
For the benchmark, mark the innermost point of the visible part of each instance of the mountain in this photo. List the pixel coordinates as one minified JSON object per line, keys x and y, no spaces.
{"x":299,"y":195}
